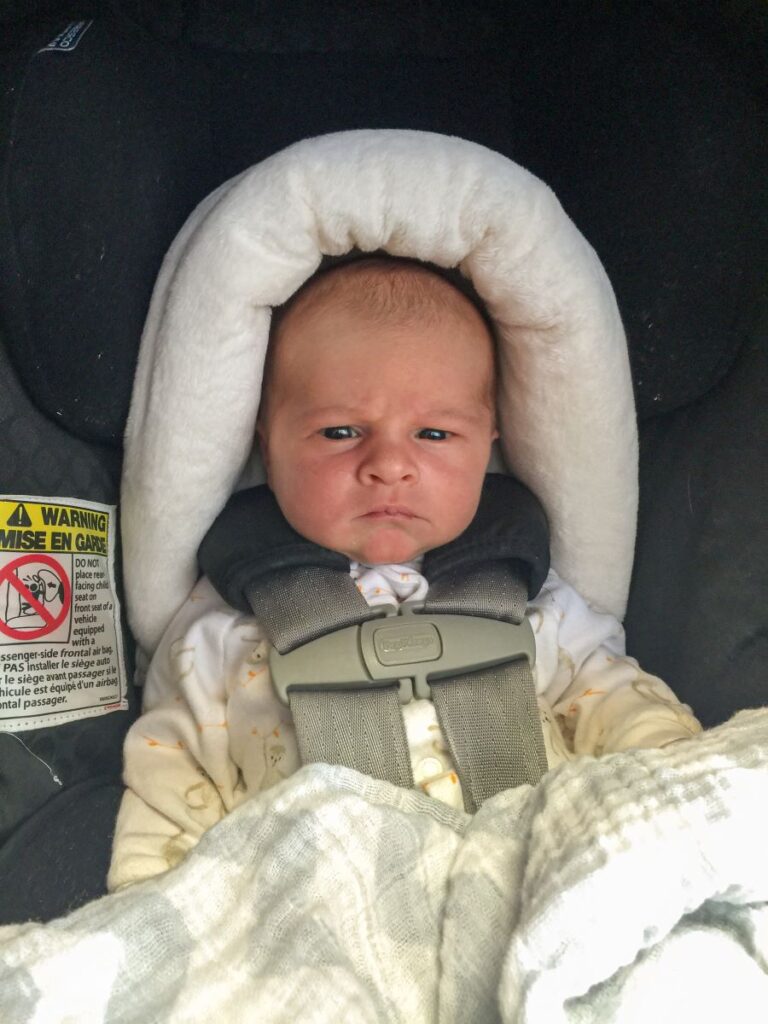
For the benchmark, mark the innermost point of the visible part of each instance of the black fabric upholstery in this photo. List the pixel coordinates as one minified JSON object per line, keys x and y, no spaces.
{"x":39,"y":457}
{"x":698,"y":610}
{"x":649,"y":122}
{"x":105,"y":150}
{"x":59,"y":858}
{"x":55,"y":821}
{"x":340,"y":26}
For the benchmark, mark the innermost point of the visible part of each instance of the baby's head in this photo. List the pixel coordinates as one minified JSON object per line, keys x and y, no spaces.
{"x":378,"y":410}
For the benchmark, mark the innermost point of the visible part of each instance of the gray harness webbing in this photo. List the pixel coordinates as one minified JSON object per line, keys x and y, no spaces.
{"x":362,"y":728}
{"x":345,"y":682}
{"x":490,"y":717}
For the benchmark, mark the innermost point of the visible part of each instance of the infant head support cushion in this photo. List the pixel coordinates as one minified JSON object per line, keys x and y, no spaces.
{"x":566,"y":410}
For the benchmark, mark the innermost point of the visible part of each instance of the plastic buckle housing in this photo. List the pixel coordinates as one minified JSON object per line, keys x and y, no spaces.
{"x":401,"y":646}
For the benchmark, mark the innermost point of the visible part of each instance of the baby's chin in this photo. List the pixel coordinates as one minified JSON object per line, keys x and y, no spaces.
{"x":387,"y":546}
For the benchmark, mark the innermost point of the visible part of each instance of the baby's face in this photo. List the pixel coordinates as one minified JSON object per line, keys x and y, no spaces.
{"x":376,"y":438}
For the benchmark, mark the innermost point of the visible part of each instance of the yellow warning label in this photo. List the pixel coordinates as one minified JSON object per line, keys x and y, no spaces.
{"x":36,"y":526}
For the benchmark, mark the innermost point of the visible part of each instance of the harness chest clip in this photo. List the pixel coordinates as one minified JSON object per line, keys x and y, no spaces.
{"x":401,"y":646}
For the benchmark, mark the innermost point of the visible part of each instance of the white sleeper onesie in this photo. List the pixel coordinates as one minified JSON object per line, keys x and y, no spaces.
{"x":214,"y":733}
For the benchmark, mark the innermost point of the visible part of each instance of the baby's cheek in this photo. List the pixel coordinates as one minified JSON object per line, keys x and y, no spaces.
{"x":457,"y":512}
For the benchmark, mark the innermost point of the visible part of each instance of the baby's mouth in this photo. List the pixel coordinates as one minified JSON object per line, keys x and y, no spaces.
{"x":389,"y":512}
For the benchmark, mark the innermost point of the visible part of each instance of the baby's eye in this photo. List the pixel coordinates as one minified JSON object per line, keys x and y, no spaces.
{"x":339,"y":433}
{"x":432,"y":434}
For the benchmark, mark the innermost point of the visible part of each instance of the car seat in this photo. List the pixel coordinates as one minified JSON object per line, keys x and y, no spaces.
{"x":647,"y":120}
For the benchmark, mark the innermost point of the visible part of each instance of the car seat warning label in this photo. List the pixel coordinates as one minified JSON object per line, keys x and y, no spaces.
{"x":61,"y":652}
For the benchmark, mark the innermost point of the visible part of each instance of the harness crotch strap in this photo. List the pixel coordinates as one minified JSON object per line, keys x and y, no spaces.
{"x":345,"y":668}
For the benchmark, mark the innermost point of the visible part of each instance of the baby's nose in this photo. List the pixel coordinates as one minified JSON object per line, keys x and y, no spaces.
{"x":388,"y":462}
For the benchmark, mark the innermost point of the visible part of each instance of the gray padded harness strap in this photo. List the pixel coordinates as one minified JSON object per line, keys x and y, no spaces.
{"x":361,"y":729}
{"x":296,"y":605}
{"x":490,"y":720}
{"x":490,"y":717}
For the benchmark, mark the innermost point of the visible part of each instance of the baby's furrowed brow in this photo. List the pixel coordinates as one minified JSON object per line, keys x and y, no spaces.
{"x":335,"y":415}
{"x":465,"y":415}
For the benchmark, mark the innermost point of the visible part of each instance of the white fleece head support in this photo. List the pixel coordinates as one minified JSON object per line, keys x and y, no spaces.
{"x":566,"y":408}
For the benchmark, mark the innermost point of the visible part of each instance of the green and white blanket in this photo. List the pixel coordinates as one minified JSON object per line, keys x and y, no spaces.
{"x":631,"y":888}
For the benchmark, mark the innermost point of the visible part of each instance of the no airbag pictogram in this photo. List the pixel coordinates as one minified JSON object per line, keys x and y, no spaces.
{"x":35,"y":597}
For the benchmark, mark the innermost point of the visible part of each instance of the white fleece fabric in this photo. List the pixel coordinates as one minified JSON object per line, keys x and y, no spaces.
{"x":566,"y":407}
{"x":214,"y":734}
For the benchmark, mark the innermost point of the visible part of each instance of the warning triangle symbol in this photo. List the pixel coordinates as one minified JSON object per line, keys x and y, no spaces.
{"x":19,"y":517}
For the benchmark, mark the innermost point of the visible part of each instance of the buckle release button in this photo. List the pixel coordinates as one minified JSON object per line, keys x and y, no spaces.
{"x":407,"y":643}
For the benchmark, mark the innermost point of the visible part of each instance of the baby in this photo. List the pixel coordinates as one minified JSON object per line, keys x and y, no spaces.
{"x":375,"y":428}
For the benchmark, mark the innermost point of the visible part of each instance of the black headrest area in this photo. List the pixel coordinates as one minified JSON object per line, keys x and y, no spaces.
{"x":648,"y":121}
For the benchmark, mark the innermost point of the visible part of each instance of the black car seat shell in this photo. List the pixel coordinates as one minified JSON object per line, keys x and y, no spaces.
{"x":647,"y":123}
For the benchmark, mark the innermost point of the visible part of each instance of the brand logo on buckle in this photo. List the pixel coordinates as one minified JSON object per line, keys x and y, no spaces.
{"x":403,"y":644}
